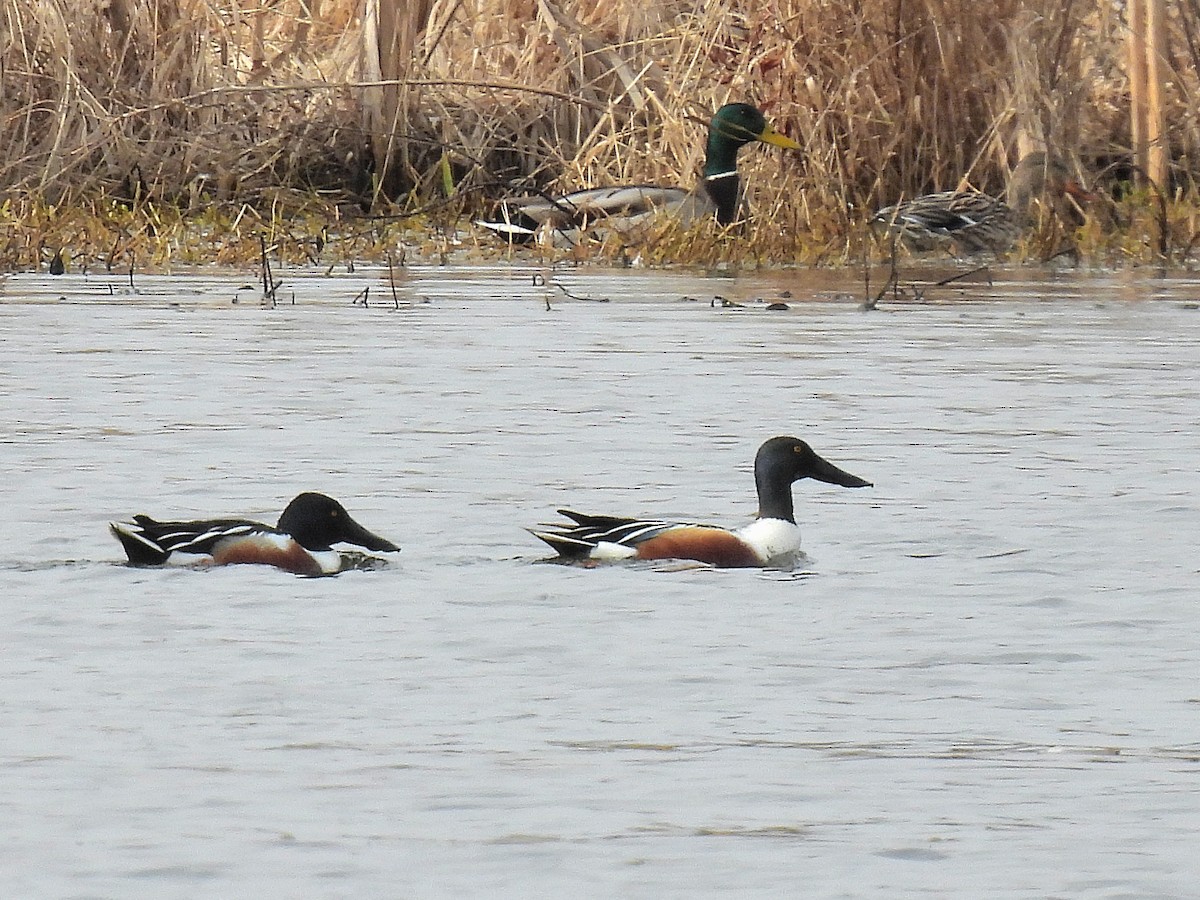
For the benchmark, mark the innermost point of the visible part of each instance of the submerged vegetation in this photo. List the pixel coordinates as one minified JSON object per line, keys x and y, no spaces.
{"x":150,"y":133}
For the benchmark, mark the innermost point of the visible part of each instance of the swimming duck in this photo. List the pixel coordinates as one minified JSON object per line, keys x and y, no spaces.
{"x":772,"y":539}
{"x":300,"y":543}
{"x":975,"y":222}
{"x":718,"y":195}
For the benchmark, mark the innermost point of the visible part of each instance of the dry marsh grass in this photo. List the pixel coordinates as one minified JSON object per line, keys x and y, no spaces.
{"x":181,"y":131}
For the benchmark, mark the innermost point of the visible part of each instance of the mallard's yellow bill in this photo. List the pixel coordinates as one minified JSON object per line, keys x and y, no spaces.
{"x":771,"y":136}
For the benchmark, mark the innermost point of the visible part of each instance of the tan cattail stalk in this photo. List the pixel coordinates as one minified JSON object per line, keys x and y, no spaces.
{"x":1156,"y":134}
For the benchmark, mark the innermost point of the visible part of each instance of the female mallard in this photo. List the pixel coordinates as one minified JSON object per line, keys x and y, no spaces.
{"x":975,"y":222}
{"x":718,"y":194}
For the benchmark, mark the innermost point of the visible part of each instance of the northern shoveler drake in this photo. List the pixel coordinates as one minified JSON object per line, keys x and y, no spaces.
{"x":623,"y":206}
{"x":974,"y":222}
{"x":773,"y":539}
{"x":300,"y":543}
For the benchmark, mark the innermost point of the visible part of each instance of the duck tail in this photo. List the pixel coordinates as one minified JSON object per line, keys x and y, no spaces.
{"x":141,"y":549}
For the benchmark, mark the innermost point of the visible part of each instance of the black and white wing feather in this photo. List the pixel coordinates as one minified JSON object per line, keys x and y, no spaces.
{"x":587,"y":532}
{"x":149,"y":542}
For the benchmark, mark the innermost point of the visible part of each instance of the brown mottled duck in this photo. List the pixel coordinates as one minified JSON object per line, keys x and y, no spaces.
{"x":974,"y":222}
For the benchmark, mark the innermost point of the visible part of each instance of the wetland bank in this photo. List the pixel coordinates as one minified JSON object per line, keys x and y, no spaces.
{"x":175,"y":134}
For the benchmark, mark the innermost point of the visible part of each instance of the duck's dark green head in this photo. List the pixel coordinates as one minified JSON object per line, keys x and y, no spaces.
{"x":734,"y":126}
{"x":738,"y":124}
{"x":782,"y":460}
{"x":317,"y":521}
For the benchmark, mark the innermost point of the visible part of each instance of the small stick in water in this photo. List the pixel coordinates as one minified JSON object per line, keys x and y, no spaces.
{"x":392,"y":279}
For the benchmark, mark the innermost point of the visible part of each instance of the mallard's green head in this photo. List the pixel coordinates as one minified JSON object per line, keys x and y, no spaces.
{"x":734,"y":126}
{"x":741,"y":123}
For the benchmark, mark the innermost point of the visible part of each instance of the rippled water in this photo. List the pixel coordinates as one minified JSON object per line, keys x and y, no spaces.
{"x":982,"y":684}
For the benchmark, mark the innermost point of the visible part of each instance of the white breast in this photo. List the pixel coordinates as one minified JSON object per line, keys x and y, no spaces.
{"x":775,"y":540}
{"x":609,"y":551}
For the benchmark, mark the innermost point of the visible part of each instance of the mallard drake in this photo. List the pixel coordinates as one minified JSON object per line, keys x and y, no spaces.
{"x":773,"y":539}
{"x":975,"y":222}
{"x":718,"y":194}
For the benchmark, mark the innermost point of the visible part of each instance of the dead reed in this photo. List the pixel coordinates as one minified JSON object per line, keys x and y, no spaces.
{"x":182,"y":131}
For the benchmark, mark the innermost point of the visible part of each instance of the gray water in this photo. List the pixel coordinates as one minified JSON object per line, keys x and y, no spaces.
{"x":981,"y":683}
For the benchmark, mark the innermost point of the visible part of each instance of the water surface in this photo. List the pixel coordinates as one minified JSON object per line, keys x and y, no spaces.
{"x":981,"y":683}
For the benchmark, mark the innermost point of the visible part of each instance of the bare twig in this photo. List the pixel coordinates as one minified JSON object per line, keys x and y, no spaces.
{"x":392,"y":280}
